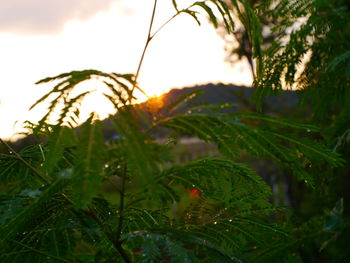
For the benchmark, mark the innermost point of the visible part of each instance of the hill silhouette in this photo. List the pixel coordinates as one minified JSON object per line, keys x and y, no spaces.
{"x":241,"y":98}
{"x":231,"y":96}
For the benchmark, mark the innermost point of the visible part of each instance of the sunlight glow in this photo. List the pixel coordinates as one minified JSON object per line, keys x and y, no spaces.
{"x":183,"y":54}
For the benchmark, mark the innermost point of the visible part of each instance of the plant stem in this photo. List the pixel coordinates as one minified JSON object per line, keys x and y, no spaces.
{"x":118,"y":243}
{"x":148,"y":40}
{"x":121,"y":204}
{"x":43,"y":253}
{"x":150,"y":36}
{"x":19,"y":157}
{"x":115,"y":241}
{"x":169,"y":20}
{"x":161,"y":27}
{"x":122,"y":252}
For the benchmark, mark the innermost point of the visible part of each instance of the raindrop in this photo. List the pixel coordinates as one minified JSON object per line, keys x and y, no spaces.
{"x":106,"y":165}
{"x":10,"y":152}
{"x":193,"y":185}
{"x":215,"y":223}
{"x":230,"y":220}
{"x":308,"y":130}
{"x":305,"y":181}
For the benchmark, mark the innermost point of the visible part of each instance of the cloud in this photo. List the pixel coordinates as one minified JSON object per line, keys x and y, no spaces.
{"x":45,"y":16}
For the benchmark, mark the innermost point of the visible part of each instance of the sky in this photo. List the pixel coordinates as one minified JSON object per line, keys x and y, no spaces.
{"x":40,"y":38}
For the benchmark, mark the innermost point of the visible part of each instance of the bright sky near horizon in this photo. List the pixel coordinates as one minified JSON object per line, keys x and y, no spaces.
{"x":40,"y":38}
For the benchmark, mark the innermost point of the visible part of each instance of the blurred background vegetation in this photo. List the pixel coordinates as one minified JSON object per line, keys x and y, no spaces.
{"x":300,"y":59}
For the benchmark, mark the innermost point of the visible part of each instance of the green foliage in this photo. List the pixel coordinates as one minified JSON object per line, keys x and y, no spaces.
{"x":231,"y":134}
{"x":305,"y":56}
{"x":222,"y":181}
{"x":86,"y":175}
{"x":80,"y":197}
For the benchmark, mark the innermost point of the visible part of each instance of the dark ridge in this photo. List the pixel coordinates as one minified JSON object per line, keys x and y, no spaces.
{"x":240,"y":96}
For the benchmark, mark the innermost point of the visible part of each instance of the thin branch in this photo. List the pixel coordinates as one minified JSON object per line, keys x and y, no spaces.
{"x":134,"y":202}
{"x":122,"y":252}
{"x":19,"y":157}
{"x":169,"y":20}
{"x":149,"y":38}
{"x":118,"y":242}
{"x":121,"y":204}
{"x":43,"y":253}
{"x":115,"y":186}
